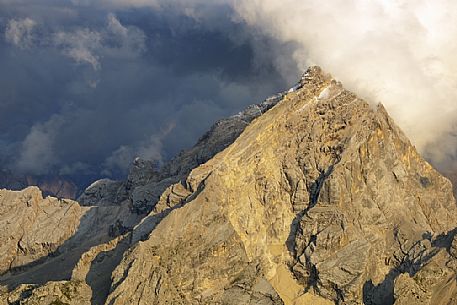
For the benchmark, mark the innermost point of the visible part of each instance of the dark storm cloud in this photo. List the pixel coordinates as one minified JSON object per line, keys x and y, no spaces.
{"x":85,"y":88}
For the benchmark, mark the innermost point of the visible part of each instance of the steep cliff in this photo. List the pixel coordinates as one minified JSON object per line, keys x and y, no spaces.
{"x":317,"y":198}
{"x":321,"y":197}
{"x":33,"y":227}
{"x":145,"y":182}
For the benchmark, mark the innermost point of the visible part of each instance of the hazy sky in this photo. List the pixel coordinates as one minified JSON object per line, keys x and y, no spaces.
{"x":85,"y":85}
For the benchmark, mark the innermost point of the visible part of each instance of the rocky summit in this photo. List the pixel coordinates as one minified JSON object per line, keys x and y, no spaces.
{"x":312,"y":197}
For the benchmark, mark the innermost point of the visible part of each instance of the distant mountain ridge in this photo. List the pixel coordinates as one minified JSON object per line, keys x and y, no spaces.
{"x":52,"y":185}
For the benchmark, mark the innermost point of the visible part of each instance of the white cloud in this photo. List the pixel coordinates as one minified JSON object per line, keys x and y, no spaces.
{"x":20,"y":32}
{"x":116,"y":27}
{"x":77,"y":167}
{"x":88,"y":46}
{"x":129,"y":40}
{"x":81,"y":45}
{"x":119,"y":159}
{"x":151,"y":149}
{"x":37,"y":150}
{"x":400,"y":53}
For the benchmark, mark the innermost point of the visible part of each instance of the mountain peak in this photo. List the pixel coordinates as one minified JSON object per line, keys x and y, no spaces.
{"x":314,"y":72}
{"x":320,"y":197}
{"x":312,"y":197}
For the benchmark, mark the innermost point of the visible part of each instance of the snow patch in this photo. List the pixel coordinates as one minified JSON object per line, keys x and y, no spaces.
{"x":325,"y":94}
{"x":100,"y":182}
{"x":297,"y":86}
{"x":294,"y":88}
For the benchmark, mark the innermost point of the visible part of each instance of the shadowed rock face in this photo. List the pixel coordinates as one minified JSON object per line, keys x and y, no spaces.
{"x":317,"y":198}
{"x":52,"y":293}
{"x":453,"y":177}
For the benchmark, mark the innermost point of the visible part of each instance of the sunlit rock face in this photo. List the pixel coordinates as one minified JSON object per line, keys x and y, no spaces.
{"x":321,"y":197}
{"x":312,"y":197}
{"x":146,"y":181}
{"x":33,"y":227}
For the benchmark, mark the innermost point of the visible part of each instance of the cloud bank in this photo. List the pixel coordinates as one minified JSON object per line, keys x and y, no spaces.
{"x":19,"y":32}
{"x":400,"y":53}
{"x":86,"y":86}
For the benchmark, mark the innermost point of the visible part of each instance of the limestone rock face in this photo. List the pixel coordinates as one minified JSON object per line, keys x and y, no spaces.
{"x":145,"y":183}
{"x":452,"y":175}
{"x":104,"y":192}
{"x":141,"y":172}
{"x":322,"y":197}
{"x":33,"y":227}
{"x":53,"y":293}
{"x":312,"y":197}
{"x":221,"y":135}
{"x":104,"y":233}
{"x":48,"y":244}
{"x":435,"y":282}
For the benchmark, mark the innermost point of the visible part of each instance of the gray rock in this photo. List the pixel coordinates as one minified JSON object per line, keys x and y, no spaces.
{"x":104,"y":192}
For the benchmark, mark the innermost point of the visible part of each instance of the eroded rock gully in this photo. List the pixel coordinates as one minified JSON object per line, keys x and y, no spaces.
{"x":319,"y":200}
{"x":315,"y":192}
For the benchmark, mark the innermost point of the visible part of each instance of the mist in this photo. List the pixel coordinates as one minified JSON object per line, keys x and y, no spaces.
{"x":399,"y":53}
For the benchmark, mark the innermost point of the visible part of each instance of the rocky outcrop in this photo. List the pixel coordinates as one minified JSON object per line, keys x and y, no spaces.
{"x":52,"y":293}
{"x":96,"y":265}
{"x":103,"y":192}
{"x":49,"y":244}
{"x":221,"y":135}
{"x":323,"y":192}
{"x":312,"y":197}
{"x":145,"y":182}
{"x":435,"y":281}
{"x":452,"y":176}
{"x":97,"y":246}
{"x":107,"y":192}
{"x":33,"y":227}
